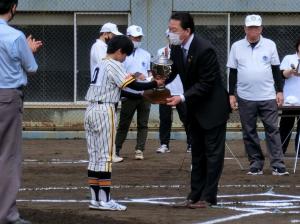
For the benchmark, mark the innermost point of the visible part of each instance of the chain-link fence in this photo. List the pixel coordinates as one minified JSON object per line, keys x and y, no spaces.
{"x":64,"y":75}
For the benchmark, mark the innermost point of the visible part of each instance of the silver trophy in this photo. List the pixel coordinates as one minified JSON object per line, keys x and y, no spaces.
{"x":160,"y":68}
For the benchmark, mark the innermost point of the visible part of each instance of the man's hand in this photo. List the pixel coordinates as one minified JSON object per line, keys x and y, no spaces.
{"x":129,"y":76}
{"x":233,"y":102}
{"x":279,"y":99}
{"x":139,"y":76}
{"x":34,"y":44}
{"x":290,"y":72}
{"x":173,"y":101}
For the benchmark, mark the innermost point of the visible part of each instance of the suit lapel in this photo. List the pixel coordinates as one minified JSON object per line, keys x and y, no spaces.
{"x":190,"y":55}
{"x":180,"y":60}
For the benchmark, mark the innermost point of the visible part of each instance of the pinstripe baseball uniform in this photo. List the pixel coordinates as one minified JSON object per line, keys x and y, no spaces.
{"x":108,"y":79}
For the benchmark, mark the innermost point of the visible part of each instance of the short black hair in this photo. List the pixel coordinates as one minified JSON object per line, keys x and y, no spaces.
{"x":186,"y":20}
{"x":297,"y":45}
{"x":120,"y":42}
{"x":6,"y":5}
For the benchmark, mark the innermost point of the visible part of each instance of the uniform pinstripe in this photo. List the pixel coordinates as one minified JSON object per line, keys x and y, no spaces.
{"x":100,"y":119}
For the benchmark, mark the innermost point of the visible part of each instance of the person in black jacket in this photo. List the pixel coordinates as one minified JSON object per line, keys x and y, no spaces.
{"x":207,"y":107}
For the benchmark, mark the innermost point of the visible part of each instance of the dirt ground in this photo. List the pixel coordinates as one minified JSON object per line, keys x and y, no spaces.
{"x":55,"y":189}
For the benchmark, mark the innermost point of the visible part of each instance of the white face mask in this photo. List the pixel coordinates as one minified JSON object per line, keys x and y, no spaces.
{"x":136,"y":44}
{"x":174,"y":39}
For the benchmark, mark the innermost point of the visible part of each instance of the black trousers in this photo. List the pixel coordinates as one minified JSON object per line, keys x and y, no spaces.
{"x":285,"y":127}
{"x":128,"y":109}
{"x":208,"y":149}
{"x":165,"y":123}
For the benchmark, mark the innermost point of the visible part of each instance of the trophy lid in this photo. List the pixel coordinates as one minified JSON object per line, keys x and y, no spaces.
{"x":162,"y":60}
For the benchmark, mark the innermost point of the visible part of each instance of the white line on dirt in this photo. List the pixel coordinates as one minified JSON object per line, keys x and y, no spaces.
{"x":59,"y":188}
{"x":231,"y":218}
{"x":247,"y":208}
{"x":114,"y":187}
{"x":59,"y":161}
{"x":54,"y":161}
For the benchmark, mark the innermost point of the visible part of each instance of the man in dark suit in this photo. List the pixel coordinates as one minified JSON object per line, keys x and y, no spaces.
{"x":207,"y":107}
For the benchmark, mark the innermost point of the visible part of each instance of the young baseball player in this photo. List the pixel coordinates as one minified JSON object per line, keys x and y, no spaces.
{"x":108,"y":78}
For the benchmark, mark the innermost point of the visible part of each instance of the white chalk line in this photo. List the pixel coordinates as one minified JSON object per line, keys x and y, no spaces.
{"x":261,"y":204}
{"x":113,"y":187}
{"x":66,"y":161}
{"x":54,"y":161}
{"x":175,"y":186}
{"x":259,"y":207}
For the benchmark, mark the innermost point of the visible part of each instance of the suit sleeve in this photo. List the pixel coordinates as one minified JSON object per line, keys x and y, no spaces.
{"x":174,"y":71}
{"x":208,"y":70}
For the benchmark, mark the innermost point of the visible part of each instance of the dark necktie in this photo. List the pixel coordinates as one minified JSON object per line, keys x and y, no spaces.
{"x":184,"y":53}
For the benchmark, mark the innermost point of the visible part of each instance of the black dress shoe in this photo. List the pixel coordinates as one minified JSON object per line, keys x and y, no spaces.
{"x":182,"y":204}
{"x":200,"y":204}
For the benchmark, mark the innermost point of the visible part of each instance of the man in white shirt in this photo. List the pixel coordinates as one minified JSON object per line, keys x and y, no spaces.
{"x":254,"y":69}
{"x":99,"y":48}
{"x":291,"y":92}
{"x":165,"y":111}
{"x":137,"y":63}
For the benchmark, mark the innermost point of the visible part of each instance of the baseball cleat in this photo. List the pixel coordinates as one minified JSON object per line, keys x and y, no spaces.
{"x":139,"y":155}
{"x":117,"y":159}
{"x":111,"y":206}
{"x":163,"y":149}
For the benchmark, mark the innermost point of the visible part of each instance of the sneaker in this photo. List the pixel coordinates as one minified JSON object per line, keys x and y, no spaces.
{"x":189,"y":149}
{"x":255,"y":171}
{"x":117,"y":159}
{"x":280,"y":172}
{"x":20,"y":221}
{"x":112,"y":206}
{"x":139,"y":155}
{"x":163,"y":149}
{"x":94,"y":204}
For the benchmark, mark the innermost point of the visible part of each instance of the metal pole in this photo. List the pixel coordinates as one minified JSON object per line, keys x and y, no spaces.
{"x":297,"y":153}
{"x":75,"y":57}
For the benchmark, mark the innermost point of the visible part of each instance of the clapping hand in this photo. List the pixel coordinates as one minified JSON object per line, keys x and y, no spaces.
{"x":34,"y":44}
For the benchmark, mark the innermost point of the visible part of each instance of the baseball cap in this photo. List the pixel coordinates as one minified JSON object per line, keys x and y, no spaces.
{"x":253,"y":20}
{"x":135,"y":31}
{"x":110,"y":28}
